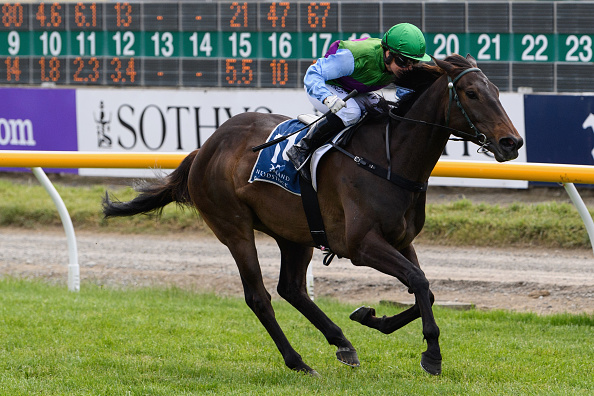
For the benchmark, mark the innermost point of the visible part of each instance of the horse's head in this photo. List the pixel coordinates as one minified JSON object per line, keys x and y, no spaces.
{"x":474,"y":107}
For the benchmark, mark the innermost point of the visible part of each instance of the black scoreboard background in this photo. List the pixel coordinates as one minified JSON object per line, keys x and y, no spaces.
{"x":546,"y":46}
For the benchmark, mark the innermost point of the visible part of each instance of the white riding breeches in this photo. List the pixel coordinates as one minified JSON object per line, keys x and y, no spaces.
{"x":351,"y":113}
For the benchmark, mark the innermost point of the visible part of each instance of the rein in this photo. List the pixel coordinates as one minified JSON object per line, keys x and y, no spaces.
{"x":453,"y":95}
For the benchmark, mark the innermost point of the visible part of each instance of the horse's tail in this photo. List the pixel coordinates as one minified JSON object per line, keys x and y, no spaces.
{"x":154,"y":195}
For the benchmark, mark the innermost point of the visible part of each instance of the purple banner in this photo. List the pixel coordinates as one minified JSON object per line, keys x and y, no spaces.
{"x":38,"y":119}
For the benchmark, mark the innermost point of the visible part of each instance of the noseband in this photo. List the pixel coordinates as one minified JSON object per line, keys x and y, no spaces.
{"x":453,"y":95}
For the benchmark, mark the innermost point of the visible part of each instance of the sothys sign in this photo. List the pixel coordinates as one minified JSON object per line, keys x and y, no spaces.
{"x":112,"y":120}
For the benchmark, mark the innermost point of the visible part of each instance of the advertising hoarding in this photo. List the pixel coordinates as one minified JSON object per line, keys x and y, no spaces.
{"x":38,"y":119}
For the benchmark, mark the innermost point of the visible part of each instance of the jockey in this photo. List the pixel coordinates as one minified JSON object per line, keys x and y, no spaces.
{"x":365,"y":65}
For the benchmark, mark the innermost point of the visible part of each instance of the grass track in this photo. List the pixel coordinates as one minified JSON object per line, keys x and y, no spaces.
{"x":173,"y":342}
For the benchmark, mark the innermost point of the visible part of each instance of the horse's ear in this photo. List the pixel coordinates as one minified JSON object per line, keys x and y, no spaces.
{"x":445,"y":66}
{"x":471,"y":59}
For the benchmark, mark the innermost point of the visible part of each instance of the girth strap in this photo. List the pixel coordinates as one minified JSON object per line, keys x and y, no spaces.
{"x":311,"y":205}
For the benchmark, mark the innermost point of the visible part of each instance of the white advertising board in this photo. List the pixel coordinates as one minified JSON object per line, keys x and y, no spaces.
{"x":145,"y":120}
{"x":168,"y":120}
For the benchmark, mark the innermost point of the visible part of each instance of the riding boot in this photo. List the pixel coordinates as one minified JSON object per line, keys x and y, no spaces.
{"x":318,"y":134}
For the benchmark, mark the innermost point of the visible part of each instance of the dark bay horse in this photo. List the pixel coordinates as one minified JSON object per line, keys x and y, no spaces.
{"x":368,"y":219}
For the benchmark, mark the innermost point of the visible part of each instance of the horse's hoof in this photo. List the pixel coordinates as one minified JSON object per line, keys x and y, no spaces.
{"x":314,"y":374}
{"x":348,"y":356}
{"x":430,"y":365}
{"x":362,"y":313}
{"x":308,"y":370}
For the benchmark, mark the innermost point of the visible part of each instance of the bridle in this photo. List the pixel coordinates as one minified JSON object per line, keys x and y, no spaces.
{"x":453,"y":96}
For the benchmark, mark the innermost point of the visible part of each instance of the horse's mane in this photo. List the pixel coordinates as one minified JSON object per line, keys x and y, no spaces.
{"x":419,"y":79}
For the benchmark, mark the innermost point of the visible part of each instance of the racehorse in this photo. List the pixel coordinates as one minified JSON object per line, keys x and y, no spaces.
{"x":370,"y":220}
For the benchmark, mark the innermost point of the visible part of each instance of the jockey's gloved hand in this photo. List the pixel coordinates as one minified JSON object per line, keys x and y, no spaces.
{"x":334,"y":103}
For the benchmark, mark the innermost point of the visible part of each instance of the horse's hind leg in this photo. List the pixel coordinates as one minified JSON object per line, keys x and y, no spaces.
{"x":292,"y":287}
{"x":239,"y":238}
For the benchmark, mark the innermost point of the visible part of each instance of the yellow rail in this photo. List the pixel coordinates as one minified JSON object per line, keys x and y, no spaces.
{"x":82,"y":159}
{"x":556,"y":173}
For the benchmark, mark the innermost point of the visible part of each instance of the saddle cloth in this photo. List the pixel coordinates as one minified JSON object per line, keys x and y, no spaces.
{"x":273,"y":164}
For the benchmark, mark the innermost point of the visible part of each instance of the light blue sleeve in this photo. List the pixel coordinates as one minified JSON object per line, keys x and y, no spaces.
{"x":337,"y":65}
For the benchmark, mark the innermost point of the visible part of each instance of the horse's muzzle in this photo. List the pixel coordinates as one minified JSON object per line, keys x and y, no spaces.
{"x":508,"y":148}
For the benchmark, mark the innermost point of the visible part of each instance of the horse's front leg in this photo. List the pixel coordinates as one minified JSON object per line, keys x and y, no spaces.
{"x":376,"y":253}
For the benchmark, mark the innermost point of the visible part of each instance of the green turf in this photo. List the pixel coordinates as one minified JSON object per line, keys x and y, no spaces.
{"x":172,"y":342}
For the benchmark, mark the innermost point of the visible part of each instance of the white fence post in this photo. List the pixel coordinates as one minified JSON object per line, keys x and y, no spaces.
{"x":73,"y":267}
{"x":582,"y":210}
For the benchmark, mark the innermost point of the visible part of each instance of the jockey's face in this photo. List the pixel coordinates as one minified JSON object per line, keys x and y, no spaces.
{"x":399,"y":63}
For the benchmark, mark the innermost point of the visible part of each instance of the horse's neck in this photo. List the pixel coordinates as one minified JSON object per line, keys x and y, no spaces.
{"x":416,"y":148}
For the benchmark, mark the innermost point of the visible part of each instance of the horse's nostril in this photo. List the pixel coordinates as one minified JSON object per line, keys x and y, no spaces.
{"x":508,"y":144}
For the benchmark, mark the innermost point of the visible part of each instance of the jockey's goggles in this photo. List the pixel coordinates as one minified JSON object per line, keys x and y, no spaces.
{"x":402,"y":61}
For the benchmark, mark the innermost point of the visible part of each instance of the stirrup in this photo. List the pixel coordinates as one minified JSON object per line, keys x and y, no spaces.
{"x":328,"y":257}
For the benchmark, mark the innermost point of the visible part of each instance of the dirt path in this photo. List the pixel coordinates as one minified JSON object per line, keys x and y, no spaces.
{"x":537,"y":280}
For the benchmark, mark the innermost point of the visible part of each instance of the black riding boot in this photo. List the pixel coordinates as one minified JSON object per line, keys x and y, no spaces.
{"x":318,"y":134}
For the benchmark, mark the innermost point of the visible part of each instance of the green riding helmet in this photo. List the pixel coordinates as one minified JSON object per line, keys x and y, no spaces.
{"x":406,"y":39}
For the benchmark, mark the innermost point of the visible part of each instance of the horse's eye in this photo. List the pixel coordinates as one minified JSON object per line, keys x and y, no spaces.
{"x":471,"y":95}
